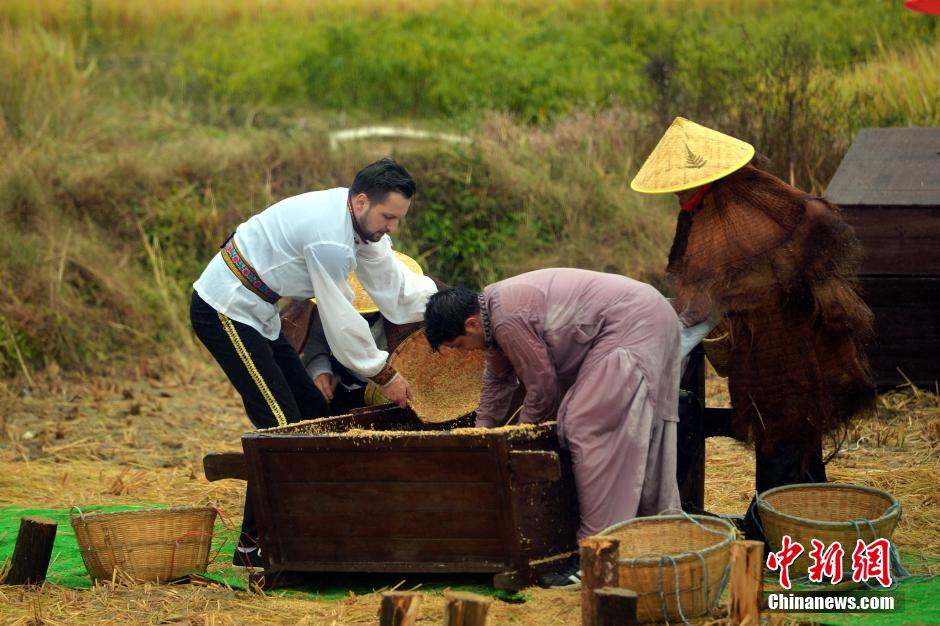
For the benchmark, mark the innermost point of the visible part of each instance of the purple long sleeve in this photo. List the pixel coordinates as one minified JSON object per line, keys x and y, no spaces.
{"x":499,"y":383}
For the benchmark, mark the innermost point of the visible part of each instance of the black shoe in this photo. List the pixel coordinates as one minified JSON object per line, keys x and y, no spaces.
{"x":247,"y":558}
{"x":567,"y":577}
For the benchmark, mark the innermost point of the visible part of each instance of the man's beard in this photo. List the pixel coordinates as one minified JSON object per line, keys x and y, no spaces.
{"x":371,"y":236}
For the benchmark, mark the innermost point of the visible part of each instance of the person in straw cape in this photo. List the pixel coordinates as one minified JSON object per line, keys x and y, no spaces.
{"x":597,"y":352}
{"x":779,"y":265}
{"x":303,"y":247}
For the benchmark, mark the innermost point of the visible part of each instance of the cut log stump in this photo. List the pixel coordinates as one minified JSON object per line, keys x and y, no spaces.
{"x":399,"y":608}
{"x":747,"y":562}
{"x":32,"y":551}
{"x":614,"y":606}
{"x":465,"y":609}
{"x":598,"y":569}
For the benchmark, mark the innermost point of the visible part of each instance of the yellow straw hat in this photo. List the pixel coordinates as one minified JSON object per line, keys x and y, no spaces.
{"x":688,"y":156}
{"x":363,"y":302}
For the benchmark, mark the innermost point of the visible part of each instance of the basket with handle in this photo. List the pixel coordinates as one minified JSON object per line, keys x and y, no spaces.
{"x":152,"y":545}
{"x":828,"y":512}
{"x":676,"y":564}
{"x":717,"y":345}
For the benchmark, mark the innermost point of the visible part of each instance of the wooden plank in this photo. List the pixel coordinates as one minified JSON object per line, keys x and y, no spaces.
{"x":897,"y":240}
{"x":907,"y":328}
{"x":690,"y":440}
{"x":599,"y":569}
{"x":225,"y":465}
{"x":509,"y":531}
{"x":379,"y":498}
{"x":399,"y":608}
{"x":548,"y":517}
{"x":32,"y":551}
{"x":747,"y":585}
{"x":352,"y":550}
{"x":400,"y":525}
{"x":366,"y":465}
{"x":392,"y":441}
{"x":615,"y":607}
{"x":889,"y":166}
{"x":534,"y":466}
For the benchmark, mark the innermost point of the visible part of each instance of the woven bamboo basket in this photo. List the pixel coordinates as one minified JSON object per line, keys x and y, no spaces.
{"x":717,"y":346}
{"x":150,"y":545}
{"x":828,"y":512}
{"x":446,"y":384}
{"x":674,"y":562}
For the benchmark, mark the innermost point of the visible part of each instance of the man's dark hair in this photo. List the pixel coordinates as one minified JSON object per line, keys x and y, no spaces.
{"x":445,"y":314}
{"x":382,"y":178}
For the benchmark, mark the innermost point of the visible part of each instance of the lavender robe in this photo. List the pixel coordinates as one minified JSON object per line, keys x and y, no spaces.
{"x":601,"y":352}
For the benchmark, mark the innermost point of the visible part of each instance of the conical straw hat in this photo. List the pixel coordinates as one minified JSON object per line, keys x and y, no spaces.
{"x":690,"y":155}
{"x":363,"y":302}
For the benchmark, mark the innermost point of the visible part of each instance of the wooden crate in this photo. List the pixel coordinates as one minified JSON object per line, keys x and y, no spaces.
{"x":888,"y":186}
{"x":377,"y":491}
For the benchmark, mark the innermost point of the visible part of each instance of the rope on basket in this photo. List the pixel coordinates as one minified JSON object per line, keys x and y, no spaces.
{"x":663,"y":558}
{"x":901,"y":572}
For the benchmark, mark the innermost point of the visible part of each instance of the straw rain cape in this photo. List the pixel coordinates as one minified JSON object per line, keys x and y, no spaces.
{"x":780,"y":264}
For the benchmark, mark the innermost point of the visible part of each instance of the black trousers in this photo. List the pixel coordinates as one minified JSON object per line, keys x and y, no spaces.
{"x":789,"y":464}
{"x":269,"y":376}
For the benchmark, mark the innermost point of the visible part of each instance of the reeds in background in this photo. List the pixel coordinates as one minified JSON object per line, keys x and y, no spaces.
{"x":136,"y":135}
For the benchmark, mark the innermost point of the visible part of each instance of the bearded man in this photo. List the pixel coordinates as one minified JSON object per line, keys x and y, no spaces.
{"x":304,"y":247}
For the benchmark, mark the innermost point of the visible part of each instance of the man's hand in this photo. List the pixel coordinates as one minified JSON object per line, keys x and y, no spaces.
{"x":398,"y":391}
{"x":326,"y":383}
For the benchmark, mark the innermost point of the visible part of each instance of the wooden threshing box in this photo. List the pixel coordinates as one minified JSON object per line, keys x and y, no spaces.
{"x":888,"y":186}
{"x":378,"y":491}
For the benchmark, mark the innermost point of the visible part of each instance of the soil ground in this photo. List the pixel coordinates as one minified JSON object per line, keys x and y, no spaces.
{"x":140,"y":437}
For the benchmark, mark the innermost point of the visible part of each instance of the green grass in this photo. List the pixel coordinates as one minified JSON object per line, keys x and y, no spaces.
{"x":136,"y":135}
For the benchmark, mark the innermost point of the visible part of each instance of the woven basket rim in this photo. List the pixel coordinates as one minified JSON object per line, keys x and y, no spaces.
{"x":396,"y":355}
{"x":720,"y":337}
{"x":83,"y":517}
{"x":893,"y":509}
{"x":681,"y":556}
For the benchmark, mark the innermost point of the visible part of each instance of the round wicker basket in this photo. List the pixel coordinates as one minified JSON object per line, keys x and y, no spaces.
{"x":147,"y":545}
{"x":717,"y":346}
{"x":828,"y":512}
{"x":674,"y":563}
{"x":446,"y":384}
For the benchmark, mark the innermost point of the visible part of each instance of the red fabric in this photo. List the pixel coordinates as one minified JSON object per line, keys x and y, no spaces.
{"x":924,"y":6}
{"x":696,"y":201}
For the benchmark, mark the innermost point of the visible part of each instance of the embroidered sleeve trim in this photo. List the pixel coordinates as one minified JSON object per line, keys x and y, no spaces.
{"x":385,"y":375}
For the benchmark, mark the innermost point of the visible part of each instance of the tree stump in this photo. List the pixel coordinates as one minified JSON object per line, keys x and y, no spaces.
{"x":614,"y":606}
{"x":747,"y":563}
{"x":465,"y":609}
{"x":598,"y":569}
{"x":399,"y":608}
{"x":32,"y":551}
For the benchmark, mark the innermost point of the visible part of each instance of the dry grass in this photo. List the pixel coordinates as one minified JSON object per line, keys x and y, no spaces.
{"x":141,"y":437}
{"x":120,"y":14}
{"x":899,"y":452}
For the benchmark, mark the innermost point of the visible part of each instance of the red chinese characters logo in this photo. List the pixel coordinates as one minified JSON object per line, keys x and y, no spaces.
{"x":782,"y":560}
{"x":826,"y":562}
{"x":872,"y":561}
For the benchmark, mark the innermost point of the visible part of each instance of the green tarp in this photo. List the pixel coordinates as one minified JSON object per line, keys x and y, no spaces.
{"x":920,"y":596}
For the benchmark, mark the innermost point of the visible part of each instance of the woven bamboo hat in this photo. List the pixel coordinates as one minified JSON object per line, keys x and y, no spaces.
{"x":688,"y":156}
{"x":363,"y":302}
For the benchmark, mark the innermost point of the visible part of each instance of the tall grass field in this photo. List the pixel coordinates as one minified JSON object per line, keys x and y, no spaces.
{"x":135,"y":135}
